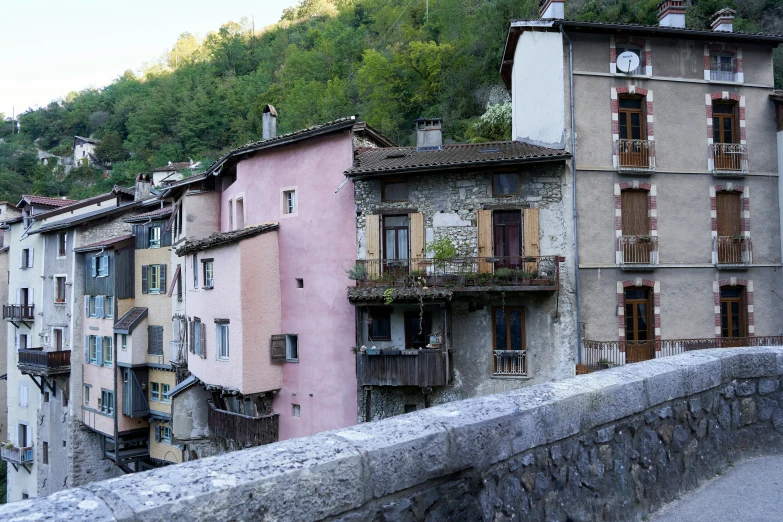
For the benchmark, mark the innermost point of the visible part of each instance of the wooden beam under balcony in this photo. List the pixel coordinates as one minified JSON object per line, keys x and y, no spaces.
{"x":244,"y":429}
{"x":423,"y":368}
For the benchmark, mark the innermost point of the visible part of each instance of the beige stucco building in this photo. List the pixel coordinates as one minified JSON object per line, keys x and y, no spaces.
{"x":676,"y":183}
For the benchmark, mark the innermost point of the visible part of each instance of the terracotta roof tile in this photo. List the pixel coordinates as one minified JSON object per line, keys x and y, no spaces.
{"x":44,"y":200}
{"x":165,"y":211}
{"x":399,"y":159}
{"x":224,"y":238}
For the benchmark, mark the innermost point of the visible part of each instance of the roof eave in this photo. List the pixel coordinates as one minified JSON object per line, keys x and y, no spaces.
{"x":457,"y":166}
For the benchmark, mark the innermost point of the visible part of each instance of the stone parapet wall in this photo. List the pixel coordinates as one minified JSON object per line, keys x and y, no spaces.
{"x":613,"y":445}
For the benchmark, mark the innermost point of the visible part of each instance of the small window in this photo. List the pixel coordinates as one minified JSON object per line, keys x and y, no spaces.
{"x":100,"y":266}
{"x":506,"y":184}
{"x":209,"y":272}
{"x":87,"y":396}
{"x":299,"y":283}
{"x":165,"y":434}
{"x":46,"y":452}
{"x":27,"y":258}
{"x":91,"y":303}
{"x":296,"y":410}
{"x":156,"y":279}
{"x":124,"y":341}
{"x":58,"y":339}
{"x":108,"y":352}
{"x":164,"y":392}
{"x":221,"y":330}
{"x":107,"y":402}
{"x":722,"y":68}
{"x":155,"y":391}
{"x":108,"y":306}
{"x":380,"y":324}
{"x":154,"y":234}
{"x":230,"y":215}
{"x":240,"y":214}
{"x":195,"y":271}
{"x":93,"y":349}
{"x":289,"y":202}
{"x":62,"y":244}
{"x":394,"y":191}
{"x":46,"y":397}
{"x":59,"y":289}
{"x":292,"y":348}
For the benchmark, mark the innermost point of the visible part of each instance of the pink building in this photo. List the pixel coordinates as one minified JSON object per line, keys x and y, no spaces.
{"x":271,"y":329}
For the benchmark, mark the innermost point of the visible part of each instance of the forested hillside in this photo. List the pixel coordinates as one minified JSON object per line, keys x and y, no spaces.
{"x":386,"y":60}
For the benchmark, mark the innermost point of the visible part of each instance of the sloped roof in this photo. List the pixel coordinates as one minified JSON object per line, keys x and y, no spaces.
{"x":88,"y":140}
{"x":130,"y":320}
{"x":361,"y":293}
{"x":224,"y":238}
{"x":104,"y":243}
{"x":184,"y":385}
{"x":177,"y":165}
{"x":165,"y":211}
{"x":44,"y":200}
{"x":408,"y":159}
{"x":88,"y":216}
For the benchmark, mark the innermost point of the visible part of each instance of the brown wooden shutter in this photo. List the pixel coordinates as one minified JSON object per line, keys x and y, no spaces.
{"x":278,"y":347}
{"x":634,"y":213}
{"x":417,"y":238}
{"x":729,"y":210}
{"x":532,"y":248}
{"x":372,"y":231}
{"x":484,"y":225}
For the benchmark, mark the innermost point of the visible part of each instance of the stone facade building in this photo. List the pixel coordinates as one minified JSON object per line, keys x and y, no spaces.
{"x":673,"y":136}
{"x":463,"y":284}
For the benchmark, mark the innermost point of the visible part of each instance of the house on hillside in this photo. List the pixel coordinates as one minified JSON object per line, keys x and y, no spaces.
{"x":84,"y":152}
{"x":463,"y":286}
{"x":677,"y":187}
{"x":168,"y":174}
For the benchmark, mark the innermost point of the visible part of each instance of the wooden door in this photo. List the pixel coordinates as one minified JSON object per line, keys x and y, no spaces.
{"x":636,"y":224}
{"x":639,"y":329}
{"x":507,"y":234}
{"x":729,"y":214}
{"x":733,"y":318}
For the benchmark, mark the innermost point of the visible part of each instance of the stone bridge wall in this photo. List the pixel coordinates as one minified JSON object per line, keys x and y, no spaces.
{"x":612,"y":445}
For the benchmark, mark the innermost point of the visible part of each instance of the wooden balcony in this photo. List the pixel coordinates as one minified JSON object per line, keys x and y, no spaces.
{"x":601,"y":355}
{"x":635,"y":156}
{"x":36,"y":361}
{"x":732,"y":252}
{"x":17,"y":456}
{"x":246,"y":430}
{"x":729,"y":159}
{"x":637,"y":252}
{"x":18,"y":312}
{"x":423,"y":368}
{"x":520,"y":273}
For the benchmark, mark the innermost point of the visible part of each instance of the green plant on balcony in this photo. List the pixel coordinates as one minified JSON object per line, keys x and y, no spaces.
{"x":443,"y":251}
{"x":357,"y":272}
{"x":388,"y":296}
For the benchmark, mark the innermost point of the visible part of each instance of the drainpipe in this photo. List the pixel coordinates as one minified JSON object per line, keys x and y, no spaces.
{"x":573,"y":181}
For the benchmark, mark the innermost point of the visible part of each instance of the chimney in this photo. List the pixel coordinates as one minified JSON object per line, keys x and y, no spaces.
{"x":552,"y":9}
{"x":723,"y":20}
{"x":671,"y":13}
{"x":269,"y":122}
{"x":143,"y":184}
{"x":428,"y":134}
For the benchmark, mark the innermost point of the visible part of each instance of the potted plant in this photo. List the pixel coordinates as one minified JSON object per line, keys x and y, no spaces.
{"x":443,"y":251}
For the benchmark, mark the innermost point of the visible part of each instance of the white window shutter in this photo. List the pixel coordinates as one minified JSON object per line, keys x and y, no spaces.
{"x":21,"y":258}
{"x":32,"y":257}
{"x":30,"y":293}
{"x":16,"y":340}
{"x":18,"y":296}
{"x":23,"y":395}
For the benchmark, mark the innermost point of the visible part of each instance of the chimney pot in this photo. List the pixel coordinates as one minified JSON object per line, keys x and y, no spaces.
{"x":671,"y":13}
{"x":723,"y":20}
{"x":552,"y":9}
{"x":143,"y":184}
{"x":269,"y":122}
{"x":429,"y":134}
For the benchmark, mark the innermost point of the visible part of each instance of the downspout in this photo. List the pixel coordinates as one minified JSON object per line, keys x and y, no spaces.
{"x":573,"y":181}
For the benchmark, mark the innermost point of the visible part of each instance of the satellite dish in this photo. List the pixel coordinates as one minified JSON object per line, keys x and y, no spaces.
{"x":627,"y":62}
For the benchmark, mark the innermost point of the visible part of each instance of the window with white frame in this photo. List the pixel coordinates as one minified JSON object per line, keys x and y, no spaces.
{"x":165,"y":434}
{"x":722,"y":67}
{"x":26,"y":258}
{"x":108,"y":352}
{"x":209,"y":272}
{"x":108,"y":306}
{"x":100,"y":265}
{"x":155,"y":273}
{"x":289,"y":202}
{"x":124,"y":342}
{"x":221,"y":329}
{"x":154,"y":236}
{"x":107,"y":402}
{"x":155,"y":391}
{"x":164,"y":392}
{"x":87,"y":395}
{"x":292,"y":347}
{"x":62,"y":244}
{"x":59,"y":289}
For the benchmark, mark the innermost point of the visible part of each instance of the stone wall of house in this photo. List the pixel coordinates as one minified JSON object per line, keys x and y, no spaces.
{"x":613,"y":445}
{"x":101,"y":231}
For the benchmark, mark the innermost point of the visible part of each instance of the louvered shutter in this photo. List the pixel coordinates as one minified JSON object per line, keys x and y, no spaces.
{"x":203,"y":341}
{"x":21,"y":258}
{"x":372,"y":231}
{"x":530,"y":222}
{"x":94,"y":266}
{"x":634,"y":213}
{"x":99,"y":304}
{"x":16,"y":342}
{"x":484,"y":225}
{"x":191,"y":341}
{"x":417,"y":239}
{"x":87,"y":306}
{"x":144,"y":279}
{"x":30,"y":294}
{"x":157,"y":433}
{"x":31,"y":259}
{"x":18,"y":296}
{"x":99,"y":350}
{"x":278,"y":347}
{"x":23,"y":396}
{"x":162,"y":278}
{"x":86,"y":348}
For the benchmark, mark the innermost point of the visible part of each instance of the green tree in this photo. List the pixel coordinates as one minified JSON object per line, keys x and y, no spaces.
{"x":110,"y":148}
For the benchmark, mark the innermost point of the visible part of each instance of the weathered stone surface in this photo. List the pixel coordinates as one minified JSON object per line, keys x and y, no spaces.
{"x":767,"y":386}
{"x":534,"y":454}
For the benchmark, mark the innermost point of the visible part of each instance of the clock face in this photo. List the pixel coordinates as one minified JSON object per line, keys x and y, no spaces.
{"x":627,"y":62}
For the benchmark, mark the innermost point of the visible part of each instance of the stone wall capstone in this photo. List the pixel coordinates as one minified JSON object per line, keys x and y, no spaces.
{"x":613,"y":445}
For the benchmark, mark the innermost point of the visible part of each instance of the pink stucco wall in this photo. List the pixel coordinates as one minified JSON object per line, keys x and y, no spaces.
{"x":315,"y":245}
{"x":245,"y":280}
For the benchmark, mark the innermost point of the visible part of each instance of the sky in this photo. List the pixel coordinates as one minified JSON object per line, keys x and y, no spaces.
{"x":49,"y":48}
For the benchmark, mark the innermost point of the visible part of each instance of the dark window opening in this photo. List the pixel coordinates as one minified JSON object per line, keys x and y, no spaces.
{"x":507,"y":231}
{"x":394,"y":191}
{"x":380,"y":325}
{"x":506,"y":184}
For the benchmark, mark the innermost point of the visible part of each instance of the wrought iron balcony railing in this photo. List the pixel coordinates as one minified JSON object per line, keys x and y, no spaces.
{"x":638,"y":251}
{"x":510,"y":363}
{"x":601,"y":355}
{"x":422,"y":368}
{"x":16,"y":455}
{"x":729,"y":158}
{"x":246,"y":430}
{"x":635,"y":155}
{"x":18,"y":312}
{"x":39,"y":362}
{"x":732,"y":251}
{"x":722,"y":72}
{"x":468,"y":273}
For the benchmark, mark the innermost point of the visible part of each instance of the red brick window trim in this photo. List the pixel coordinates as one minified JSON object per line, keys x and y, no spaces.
{"x":647,"y":94}
{"x":723,"y":96}
{"x":652,"y":213}
{"x":728,"y":187}
{"x":723,"y":49}
{"x":630,"y":41}
{"x":748,"y":284}
{"x":639,"y":282}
